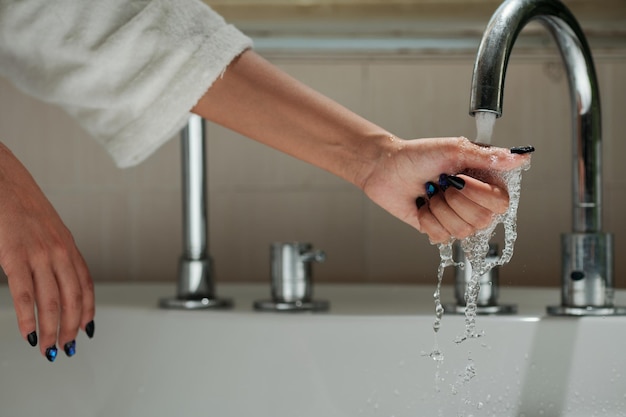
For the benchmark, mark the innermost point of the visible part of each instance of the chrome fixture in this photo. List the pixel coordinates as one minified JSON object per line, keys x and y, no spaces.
{"x":195,"y":287}
{"x":487,"y":300}
{"x":587,"y":252}
{"x":291,"y":278}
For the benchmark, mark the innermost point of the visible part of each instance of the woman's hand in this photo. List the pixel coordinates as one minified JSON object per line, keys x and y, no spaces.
{"x":399,"y":177}
{"x":44,"y":268}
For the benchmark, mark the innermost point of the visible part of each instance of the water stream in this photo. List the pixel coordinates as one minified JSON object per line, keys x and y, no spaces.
{"x":476,"y":248}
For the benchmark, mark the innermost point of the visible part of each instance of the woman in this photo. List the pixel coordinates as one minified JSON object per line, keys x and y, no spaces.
{"x":131,"y":71}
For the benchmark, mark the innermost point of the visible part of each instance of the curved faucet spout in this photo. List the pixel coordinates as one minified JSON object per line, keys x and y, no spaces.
{"x":488,"y":87}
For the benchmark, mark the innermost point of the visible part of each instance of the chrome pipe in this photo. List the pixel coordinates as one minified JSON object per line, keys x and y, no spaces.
{"x":195,"y":285}
{"x":487,"y":92}
{"x":195,"y":224}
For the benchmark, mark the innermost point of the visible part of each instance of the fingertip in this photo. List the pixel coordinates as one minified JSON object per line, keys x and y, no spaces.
{"x":90,"y":328}
{"x":521,"y":150}
{"x":32,"y":338}
{"x":70,"y":348}
{"x":51,"y":353}
{"x":478,"y":156}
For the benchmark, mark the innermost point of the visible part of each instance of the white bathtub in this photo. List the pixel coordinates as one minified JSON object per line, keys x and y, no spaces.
{"x":363,"y":358}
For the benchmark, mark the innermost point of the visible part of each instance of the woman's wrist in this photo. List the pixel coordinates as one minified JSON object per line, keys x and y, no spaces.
{"x":370,"y":154}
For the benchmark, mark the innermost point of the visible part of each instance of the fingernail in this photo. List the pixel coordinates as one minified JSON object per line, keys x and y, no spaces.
{"x":70,"y":348}
{"x":32,"y":338}
{"x":523,"y":149}
{"x":419,"y":202}
{"x":443,"y":182}
{"x":51,"y":353}
{"x":431,"y":189}
{"x":456,"y":182}
{"x":90,"y":328}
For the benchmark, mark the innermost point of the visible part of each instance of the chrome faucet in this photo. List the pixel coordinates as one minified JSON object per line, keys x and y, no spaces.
{"x":587,"y":252}
{"x":195,"y":285}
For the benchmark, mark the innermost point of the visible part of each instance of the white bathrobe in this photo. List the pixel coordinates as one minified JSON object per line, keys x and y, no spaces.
{"x":128,"y":70}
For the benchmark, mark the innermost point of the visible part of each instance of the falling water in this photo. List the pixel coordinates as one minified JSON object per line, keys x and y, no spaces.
{"x":485,"y":121}
{"x":476,"y":247}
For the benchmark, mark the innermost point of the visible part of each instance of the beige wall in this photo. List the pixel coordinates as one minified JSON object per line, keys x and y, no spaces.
{"x":127,"y":223}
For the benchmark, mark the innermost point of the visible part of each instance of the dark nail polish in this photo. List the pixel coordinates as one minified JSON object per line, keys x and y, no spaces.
{"x":443,"y":182}
{"x":419,"y":202}
{"x":523,"y":149}
{"x":90,"y":328}
{"x":32,"y":338}
{"x":431,"y":189}
{"x":51,"y":353}
{"x":456,"y":182}
{"x":70,"y":348}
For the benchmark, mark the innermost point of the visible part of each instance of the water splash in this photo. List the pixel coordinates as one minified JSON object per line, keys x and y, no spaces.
{"x":476,"y":246}
{"x":445,"y":254}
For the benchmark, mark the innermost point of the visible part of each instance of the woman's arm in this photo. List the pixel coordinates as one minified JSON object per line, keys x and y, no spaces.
{"x":260,"y":101}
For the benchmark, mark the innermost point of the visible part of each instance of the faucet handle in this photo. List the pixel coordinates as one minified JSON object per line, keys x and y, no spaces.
{"x":318,"y":256}
{"x":487,"y":299}
{"x":291,"y":278}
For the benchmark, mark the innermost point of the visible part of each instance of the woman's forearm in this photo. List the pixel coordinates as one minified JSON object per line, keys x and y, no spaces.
{"x":261,"y":102}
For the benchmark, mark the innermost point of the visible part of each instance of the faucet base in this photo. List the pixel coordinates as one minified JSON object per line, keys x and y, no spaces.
{"x":199,"y":304}
{"x":585,"y":311}
{"x":295,"y":306}
{"x":195,"y":287}
{"x":503,"y":309}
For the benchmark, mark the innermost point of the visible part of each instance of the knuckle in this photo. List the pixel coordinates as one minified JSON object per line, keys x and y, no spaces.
{"x":51,"y":305}
{"x":60,"y":251}
{"x":24,"y":297}
{"x":87,"y":286}
{"x":73,"y":302}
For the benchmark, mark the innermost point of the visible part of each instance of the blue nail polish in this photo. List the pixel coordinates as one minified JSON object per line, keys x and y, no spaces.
{"x":51,"y":353}
{"x":70,"y":348}
{"x":431,"y":189}
{"x":419,"y":202}
{"x":32,"y":338}
{"x":443,"y":182}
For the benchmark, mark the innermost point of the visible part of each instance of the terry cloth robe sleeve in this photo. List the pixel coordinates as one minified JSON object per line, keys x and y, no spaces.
{"x":129,"y":71}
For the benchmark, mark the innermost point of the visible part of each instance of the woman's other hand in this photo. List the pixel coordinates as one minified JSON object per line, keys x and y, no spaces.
{"x":49,"y":281}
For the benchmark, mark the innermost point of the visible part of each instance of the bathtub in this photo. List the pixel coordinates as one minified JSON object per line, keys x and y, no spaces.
{"x":367,"y":356}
